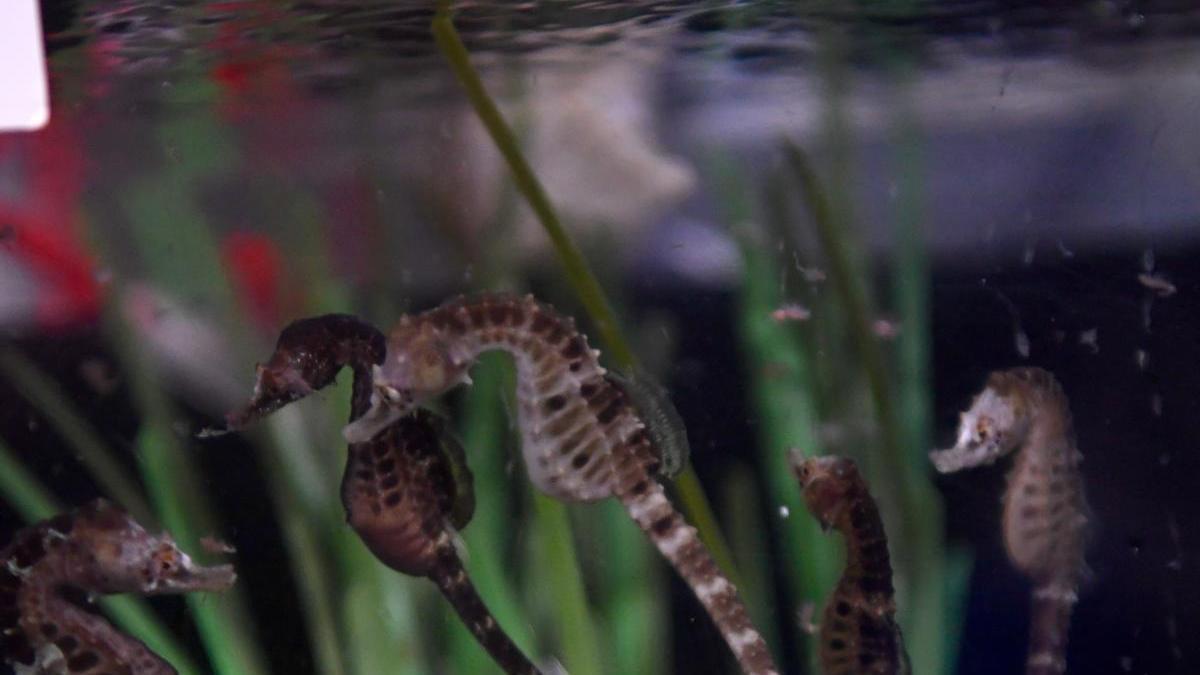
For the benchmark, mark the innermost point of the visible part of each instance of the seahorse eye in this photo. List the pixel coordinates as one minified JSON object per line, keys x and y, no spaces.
{"x":805,"y":473}
{"x":165,"y":559}
{"x":983,"y":428}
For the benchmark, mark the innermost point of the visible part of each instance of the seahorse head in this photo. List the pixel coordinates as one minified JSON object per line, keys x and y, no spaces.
{"x":825,"y":482}
{"x":992,"y":427}
{"x":112,"y":553}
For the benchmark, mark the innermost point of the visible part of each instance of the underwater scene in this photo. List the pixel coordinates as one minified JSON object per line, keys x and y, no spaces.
{"x":603,"y":338}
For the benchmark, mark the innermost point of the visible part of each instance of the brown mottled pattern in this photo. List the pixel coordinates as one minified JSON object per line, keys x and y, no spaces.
{"x":400,"y":497}
{"x":96,"y":549}
{"x":582,"y":438}
{"x":398,"y":488}
{"x":1045,"y":510}
{"x":859,"y":634}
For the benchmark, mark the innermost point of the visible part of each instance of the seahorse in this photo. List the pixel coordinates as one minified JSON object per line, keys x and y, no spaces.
{"x":97,"y":549}
{"x":582,"y":437}
{"x":1045,"y":510}
{"x":407,"y":489}
{"x":859,"y":634}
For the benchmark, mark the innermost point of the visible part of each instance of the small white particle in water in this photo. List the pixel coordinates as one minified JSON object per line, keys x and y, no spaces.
{"x":1141,"y":358}
{"x":784,"y":512}
{"x":1021,"y":341}
{"x":1127,"y":663}
{"x":1090,"y":338}
{"x":1064,"y":251}
{"x":1156,"y":405}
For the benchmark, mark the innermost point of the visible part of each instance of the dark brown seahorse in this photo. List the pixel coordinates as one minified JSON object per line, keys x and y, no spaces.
{"x":582,"y":437}
{"x":1045,"y":510}
{"x":406,"y":490}
{"x":859,"y":634}
{"x":97,"y":549}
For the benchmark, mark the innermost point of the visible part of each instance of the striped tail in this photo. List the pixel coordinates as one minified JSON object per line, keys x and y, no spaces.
{"x":451,"y":579}
{"x":1050,"y":621}
{"x":680,"y":544}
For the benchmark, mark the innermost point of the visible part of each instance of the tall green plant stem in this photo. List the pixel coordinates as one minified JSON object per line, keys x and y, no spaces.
{"x":50,"y":400}
{"x":917,"y":536}
{"x":587,"y":288}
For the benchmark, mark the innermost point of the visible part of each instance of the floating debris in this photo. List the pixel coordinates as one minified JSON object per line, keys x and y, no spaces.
{"x":1157,"y":283}
{"x":1021,"y":342}
{"x":1141,"y":358}
{"x":1090,"y":338}
{"x":813,"y":275}
{"x":885,"y":329}
{"x":791,"y":312}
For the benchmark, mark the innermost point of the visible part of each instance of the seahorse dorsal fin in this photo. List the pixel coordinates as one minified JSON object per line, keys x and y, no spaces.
{"x":662,"y":420}
{"x":451,"y":449}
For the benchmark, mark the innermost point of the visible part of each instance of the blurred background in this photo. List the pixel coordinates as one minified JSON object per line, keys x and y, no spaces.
{"x":821,"y":225}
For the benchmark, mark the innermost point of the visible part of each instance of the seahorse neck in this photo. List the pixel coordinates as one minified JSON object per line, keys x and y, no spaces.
{"x":868,"y":562}
{"x":49,"y":616}
{"x":529,"y":360}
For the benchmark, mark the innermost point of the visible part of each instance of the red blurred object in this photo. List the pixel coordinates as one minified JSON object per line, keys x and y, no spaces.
{"x":68,"y":292}
{"x":39,"y":227}
{"x":256,"y":268}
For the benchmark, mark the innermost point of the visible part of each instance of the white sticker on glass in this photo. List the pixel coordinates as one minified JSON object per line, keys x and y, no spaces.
{"x":24,"y":102}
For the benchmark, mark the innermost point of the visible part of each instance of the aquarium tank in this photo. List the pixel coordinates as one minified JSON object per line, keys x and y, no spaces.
{"x":596,"y":337}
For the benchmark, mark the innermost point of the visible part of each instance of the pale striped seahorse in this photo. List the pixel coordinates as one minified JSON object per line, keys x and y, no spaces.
{"x":1045,"y":511}
{"x":96,"y":550}
{"x":859,"y":634}
{"x":407,"y":489}
{"x":582,"y":438}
